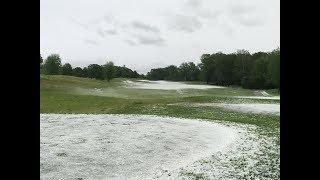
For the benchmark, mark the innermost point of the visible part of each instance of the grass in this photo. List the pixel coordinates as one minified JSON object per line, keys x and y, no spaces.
{"x":66,"y":94}
{"x":273,"y":92}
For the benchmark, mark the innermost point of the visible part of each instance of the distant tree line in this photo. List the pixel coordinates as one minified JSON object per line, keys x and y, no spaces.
{"x":52,"y":66}
{"x":260,"y":70}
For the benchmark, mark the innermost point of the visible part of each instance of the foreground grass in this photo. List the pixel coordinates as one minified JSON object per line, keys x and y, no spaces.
{"x":65,"y":94}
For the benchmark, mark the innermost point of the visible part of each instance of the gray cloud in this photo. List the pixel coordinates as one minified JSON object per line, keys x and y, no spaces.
{"x":82,"y":25}
{"x":249,"y":21}
{"x":185,"y":23}
{"x":246,"y":19}
{"x":241,"y":9}
{"x":111,"y":32}
{"x":144,"y":27}
{"x":197,"y":8}
{"x":105,"y":28}
{"x":207,"y":14}
{"x":129,"y":28}
{"x":107,"y":18}
{"x":149,"y":40}
{"x":103,"y":33}
{"x":246,"y":15}
{"x":194,"y":3}
{"x":91,"y":42}
{"x":193,"y":14}
{"x":131,"y":43}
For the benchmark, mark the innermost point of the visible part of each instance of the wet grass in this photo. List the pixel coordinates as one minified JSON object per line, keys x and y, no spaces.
{"x":66,"y":94}
{"x":60,"y":94}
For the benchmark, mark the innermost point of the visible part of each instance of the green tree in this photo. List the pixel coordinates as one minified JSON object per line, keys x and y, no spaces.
{"x":109,"y":70}
{"x":96,"y":71}
{"x":85,"y":72}
{"x":52,"y":64}
{"x":206,"y":68}
{"x":67,"y":69}
{"x":41,"y":60}
{"x":194,"y":71}
{"x":274,"y":67}
{"x":172,"y":73}
{"x":260,"y":77}
{"x":78,"y":72}
{"x":41,"y":65}
{"x":185,"y":71}
{"x":136,"y":74}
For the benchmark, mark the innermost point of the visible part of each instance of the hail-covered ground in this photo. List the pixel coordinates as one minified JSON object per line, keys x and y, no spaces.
{"x":140,"y":129}
{"x":143,"y":147}
{"x":165,"y":85}
{"x":247,"y":108}
{"x":110,"y":146}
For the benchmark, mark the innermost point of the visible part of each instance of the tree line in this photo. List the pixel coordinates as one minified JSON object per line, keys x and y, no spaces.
{"x":260,"y":70}
{"x":52,"y":66}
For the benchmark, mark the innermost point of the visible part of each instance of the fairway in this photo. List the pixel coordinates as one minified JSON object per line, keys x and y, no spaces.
{"x":140,"y":129}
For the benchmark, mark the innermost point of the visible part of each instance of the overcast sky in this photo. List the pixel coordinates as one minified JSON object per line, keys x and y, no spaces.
{"x":143,"y":34}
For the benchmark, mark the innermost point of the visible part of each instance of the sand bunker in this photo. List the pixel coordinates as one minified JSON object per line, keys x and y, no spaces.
{"x":125,"y":146}
{"x":165,"y":85}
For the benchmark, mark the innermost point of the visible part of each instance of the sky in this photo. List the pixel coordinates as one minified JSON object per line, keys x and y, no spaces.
{"x":146,"y":34}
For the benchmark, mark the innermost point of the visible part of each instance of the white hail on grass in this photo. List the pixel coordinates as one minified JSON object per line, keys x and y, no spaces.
{"x":165,"y":85}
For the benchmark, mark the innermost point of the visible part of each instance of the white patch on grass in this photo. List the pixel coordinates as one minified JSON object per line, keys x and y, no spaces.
{"x":248,"y":108}
{"x":143,"y":80}
{"x":151,"y":147}
{"x":258,"y":97}
{"x":253,"y":108}
{"x":98,"y":90}
{"x":265,"y":93}
{"x":165,"y":85}
{"x":251,"y":156}
{"x":109,"y":92}
{"x":125,"y":146}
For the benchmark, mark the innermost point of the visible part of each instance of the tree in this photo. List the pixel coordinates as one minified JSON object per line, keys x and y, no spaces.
{"x":78,"y":72}
{"x":41,"y":60}
{"x":123,"y":72}
{"x":206,"y":67}
{"x":52,"y":64}
{"x":67,"y":69}
{"x":172,"y":73}
{"x":85,"y":72}
{"x":185,"y":71}
{"x":41,"y":66}
{"x":109,"y":70}
{"x":156,"y":74}
{"x":135,"y":74}
{"x":96,"y":71}
{"x":274,"y":67}
{"x":258,"y":76}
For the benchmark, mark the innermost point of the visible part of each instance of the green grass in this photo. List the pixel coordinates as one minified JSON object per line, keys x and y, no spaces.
{"x":67,"y":94}
{"x":273,"y":92}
